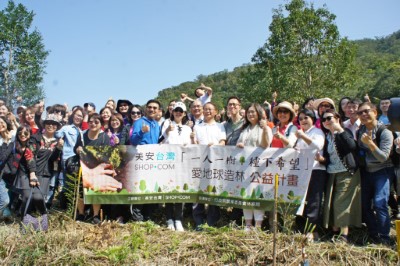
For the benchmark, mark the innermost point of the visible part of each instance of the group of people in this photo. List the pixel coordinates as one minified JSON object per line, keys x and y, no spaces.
{"x":353,"y":180}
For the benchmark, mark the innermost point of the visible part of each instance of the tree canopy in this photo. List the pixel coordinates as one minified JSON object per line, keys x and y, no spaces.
{"x":22,"y":56}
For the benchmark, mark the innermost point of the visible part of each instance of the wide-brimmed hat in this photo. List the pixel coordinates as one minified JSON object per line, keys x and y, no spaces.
{"x":285,"y":105}
{"x":123,"y":101}
{"x":319,"y":101}
{"x":180,"y":105}
{"x":53,"y":118}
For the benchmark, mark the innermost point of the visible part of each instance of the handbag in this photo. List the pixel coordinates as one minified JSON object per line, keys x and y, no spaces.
{"x":11,"y":166}
{"x":31,"y":223}
{"x":72,"y":164}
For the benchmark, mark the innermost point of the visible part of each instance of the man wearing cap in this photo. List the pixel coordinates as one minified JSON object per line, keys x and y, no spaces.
{"x":89,"y":108}
{"x":146,"y":131}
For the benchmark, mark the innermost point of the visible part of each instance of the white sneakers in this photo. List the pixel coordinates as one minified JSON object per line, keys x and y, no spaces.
{"x":175,"y":227}
{"x":179,"y":226}
{"x":170,"y":225}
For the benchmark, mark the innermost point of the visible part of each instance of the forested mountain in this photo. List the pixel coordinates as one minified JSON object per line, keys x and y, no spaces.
{"x":377,"y":64}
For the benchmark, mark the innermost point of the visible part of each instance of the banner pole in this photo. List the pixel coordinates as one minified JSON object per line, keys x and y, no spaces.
{"x":275,"y":213}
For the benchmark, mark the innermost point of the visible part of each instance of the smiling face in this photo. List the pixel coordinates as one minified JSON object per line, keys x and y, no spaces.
{"x":123,"y":108}
{"x":351,"y":110}
{"x":196,"y":109}
{"x":94,"y":124}
{"x":50,"y":127}
{"x":209,"y":112}
{"x":115,"y":123}
{"x":178,"y":114}
{"x":305,"y":121}
{"x":367,"y":114}
{"x":384,"y":105}
{"x":283,"y":116}
{"x":3,"y":110}
{"x":78,"y":117}
{"x":110,"y":104}
{"x":135,"y":114}
{"x":152,"y":110}
{"x":252,"y":115}
{"x":322,"y":107}
{"x":106,"y":114}
{"x":23,"y":135}
{"x":328,"y":120}
{"x":29,"y":116}
{"x":233,"y":107}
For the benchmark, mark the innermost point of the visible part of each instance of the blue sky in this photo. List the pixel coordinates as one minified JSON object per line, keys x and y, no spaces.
{"x":132,"y":49}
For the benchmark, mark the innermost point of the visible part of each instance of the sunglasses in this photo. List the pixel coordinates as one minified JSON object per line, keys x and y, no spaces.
{"x":328,"y":118}
{"x":366,"y":111}
{"x":325,"y":105}
{"x":136,"y":113}
{"x":178,"y":109}
{"x":23,"y":133}
{"x":94,"y":122}
{"x":51,"y":124}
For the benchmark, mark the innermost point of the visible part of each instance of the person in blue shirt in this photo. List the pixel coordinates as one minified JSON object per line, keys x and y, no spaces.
{"x":146,"y":131}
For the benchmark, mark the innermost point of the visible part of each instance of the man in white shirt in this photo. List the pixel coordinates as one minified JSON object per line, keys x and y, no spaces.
{"x":353,"y":123}
{"x":208,"y":133}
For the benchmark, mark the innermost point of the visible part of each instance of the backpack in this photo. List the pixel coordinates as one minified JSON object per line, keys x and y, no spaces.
{"x":394,"y":156}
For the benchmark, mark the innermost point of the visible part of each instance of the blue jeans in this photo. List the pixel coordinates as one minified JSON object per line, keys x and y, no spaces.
{"x":4,"y":198}
{"x":375,"y":190}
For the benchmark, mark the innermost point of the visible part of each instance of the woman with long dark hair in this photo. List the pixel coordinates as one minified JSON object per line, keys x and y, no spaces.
{"x":255,"y":133}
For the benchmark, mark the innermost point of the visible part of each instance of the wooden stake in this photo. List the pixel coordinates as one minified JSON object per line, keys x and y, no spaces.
{"x":275,"y":214}
{"x":77,"y":191}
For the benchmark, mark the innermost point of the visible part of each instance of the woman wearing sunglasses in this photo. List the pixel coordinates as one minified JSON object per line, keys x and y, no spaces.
{"x":343,"y":195}
{"x":135,"y":113}
{"x":176,"y":132}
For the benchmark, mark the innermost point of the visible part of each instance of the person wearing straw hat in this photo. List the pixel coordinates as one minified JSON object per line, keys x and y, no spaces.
{"x":321,"y":105}
{"x":284,"y":132}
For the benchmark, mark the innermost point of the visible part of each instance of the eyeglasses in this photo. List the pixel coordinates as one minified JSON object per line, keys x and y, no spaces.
{"x":136,"y":113}
{"x":325,"y":105}
{"x":23,"y":133}
{"x":303,"y":118}
{"x":365,"y":111}
{"x":51,"y":124}
{"x":284,"y":111}
{"x":328,"y":118}
{"x":94,"y":122}
{"x":152,"y":107}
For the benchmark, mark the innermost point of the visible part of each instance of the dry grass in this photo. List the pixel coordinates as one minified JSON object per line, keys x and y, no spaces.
{"x":70,"y":243}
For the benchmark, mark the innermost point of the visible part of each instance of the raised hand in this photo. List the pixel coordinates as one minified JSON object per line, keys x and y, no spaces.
{"x":145,"y":127}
